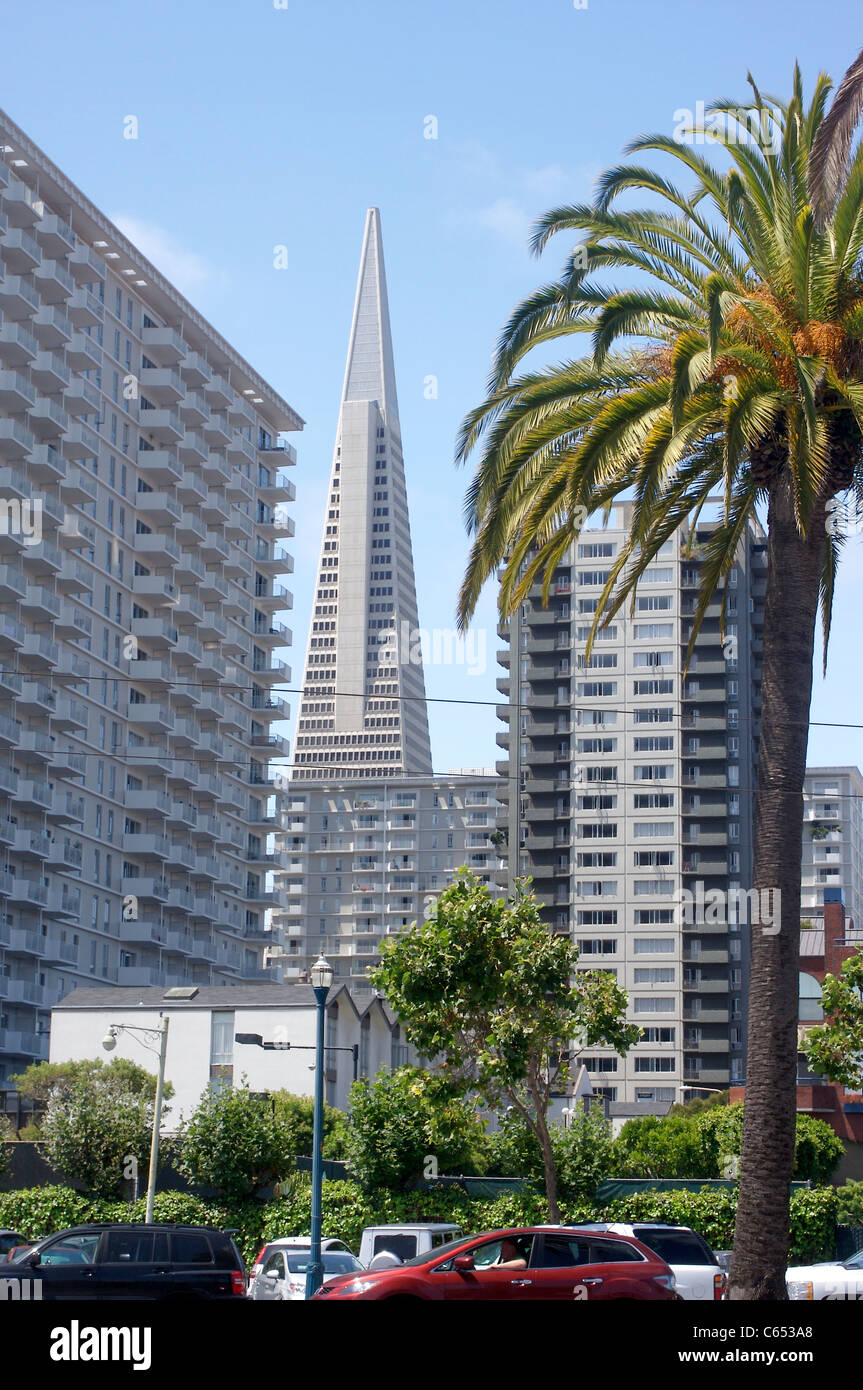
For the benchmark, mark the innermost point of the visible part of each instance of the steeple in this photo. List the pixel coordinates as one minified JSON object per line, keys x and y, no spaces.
{"x":369,"y":373}
{"x":363,"y":712}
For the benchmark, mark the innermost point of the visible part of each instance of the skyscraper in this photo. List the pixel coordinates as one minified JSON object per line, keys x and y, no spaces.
{"x":363,"y":710}
{"x":629,"y":796}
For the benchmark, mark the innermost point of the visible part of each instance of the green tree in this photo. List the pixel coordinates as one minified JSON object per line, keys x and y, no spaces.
{"x":835,"y":1048}
{"x":7,"y":1134}
{"x":298,"y":1114}
{"x":482,"y":985}
{"x":93,"y":1126}
{"x":236,"y":1142}
{"x":817,"y":1150}
{"x":42,"y":1081}
{"x":661,"y":1147}
{"x":402,"y":1119}
{"x":729,"y":363}
{"x":582,"y":1151}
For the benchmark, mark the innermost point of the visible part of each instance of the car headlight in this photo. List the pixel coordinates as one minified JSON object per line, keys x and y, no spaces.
{"x":355,"y":1286}
{"x":800,"y":1289}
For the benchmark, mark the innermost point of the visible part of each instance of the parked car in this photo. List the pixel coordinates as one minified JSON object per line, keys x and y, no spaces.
{"x":834,"y":1280}
{"x":18,"y":1251}
{"x":9,"y":1240}
{"x":282,"y":1276}
{"x":135,"y":1261}
{"x":293,"y":1243}
{"x":698,"y":1273}
{"x":521,"y":1264}
{"x":388,"y":1245}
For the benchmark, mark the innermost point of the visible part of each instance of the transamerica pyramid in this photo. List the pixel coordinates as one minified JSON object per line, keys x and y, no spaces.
{"x":363,"y":710}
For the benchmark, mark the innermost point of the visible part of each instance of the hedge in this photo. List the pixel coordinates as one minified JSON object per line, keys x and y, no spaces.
{"x":38,"y":1211}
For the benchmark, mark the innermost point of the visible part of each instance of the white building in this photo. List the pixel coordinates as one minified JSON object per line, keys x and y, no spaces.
{"x":832,"y":841}
{"x":139,"y":468}
{"x":202,"y":1050}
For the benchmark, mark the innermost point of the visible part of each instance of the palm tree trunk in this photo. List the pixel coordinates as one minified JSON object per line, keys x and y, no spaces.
{"x":762,"y":1227}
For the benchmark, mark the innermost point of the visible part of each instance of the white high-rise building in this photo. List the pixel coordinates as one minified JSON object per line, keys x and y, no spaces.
{"x":139,"y":472}
{"x":832,"y":841}
{"x":363,"y":709}
{"x":630,"y":783}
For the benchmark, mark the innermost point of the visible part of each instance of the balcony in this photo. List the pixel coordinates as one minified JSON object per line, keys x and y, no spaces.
{"x":28,"y":893}
{"x":31,"y":844}
{"x":18,"y":346}
{"x":194,"y":409}
{"x":83,"y":353}
{"x":196,"y":369}
{"x":81,"y":398}
{"x":155,"y":632}
{"x":218,"y":392}
{"x":164,"y":345}
{"x":18,"y":299}
{"x":86,"y":265}
{"x":162,"y":384}
{"x":21,"y":251}
{"x":158,"y":465}
{"x":150,"y":716}
{"x":149,"y":755}
{"x":15,"y":440}
{"x":216,"y":470}
{"x":52,"y":328}
{"x":70,"y":714}
{"x":67,"y":809}
{"x":56,"y":285}
{"x":84,"y":309}
{"x":47,"y":464}
{"x":55,"y":234}
{"x":157,"y":548}
{"x":39,"y":652}
{"x":162,"y":425}
{"x":81,"y":442}
{"x":16,"y":393}
{"x":190,"y":529}
{"x":50,"y":373}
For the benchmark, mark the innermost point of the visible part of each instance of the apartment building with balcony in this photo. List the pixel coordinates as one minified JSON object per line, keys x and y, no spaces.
{"x":365,"y":860}
{"x":628,"y":785}
{"x":832,"y":842}
{"x":142,"y":514}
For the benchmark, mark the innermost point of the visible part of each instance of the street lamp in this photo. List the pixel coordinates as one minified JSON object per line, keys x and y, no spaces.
{"x":321,"y":975}
{"x":109,"y":1042}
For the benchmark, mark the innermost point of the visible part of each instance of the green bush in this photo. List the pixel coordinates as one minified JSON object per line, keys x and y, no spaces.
{"x":235,"y":1142}
{"x":39,"y":1211}
{"x":298,"y":1113}
{"x":850,"y":1198}
{"x":94,"y":1128}
{"x":582,"y":1152}
{"x":402,"y":1118}
{"x":7,"y":1133}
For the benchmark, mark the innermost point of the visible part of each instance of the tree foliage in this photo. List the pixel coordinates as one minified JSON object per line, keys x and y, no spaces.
{"x":236,"y":1142}
{"x":582,"y":1152}
{"x":42,"y":1081}
{"x":403,"y":1119}
{"x":93,"y":1125}
{"x":835,"y":1048}
{"x":485,"y":988}
{"x":298,"y":1114}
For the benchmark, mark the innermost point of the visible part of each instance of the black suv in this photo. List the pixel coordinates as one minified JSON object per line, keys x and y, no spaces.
{"x":133,"y":1261}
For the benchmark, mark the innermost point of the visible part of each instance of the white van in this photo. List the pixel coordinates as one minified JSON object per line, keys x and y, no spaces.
{"x":384,"y":1246}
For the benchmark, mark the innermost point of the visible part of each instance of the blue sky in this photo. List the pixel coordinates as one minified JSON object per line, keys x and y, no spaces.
{"x":262,"y":126}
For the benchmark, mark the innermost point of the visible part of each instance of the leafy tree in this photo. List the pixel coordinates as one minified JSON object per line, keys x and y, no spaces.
{"x":43,"y":1080}
{"x":835,"y":1048}
{"x":729,"y":363}
{"x":582,"y":1152}
{"x":236,"y":1142}
{"x":482,"y":984}
{"x":661,"y":1147}
{"x":850,"y":1196}
{"x":699,"y":1104}
{"x":298,"y":1113}
{"x":402,"y":1119}
{"x":92,"y":1126}
{"x":7,"y":1133}
{"x":817,"y":1150}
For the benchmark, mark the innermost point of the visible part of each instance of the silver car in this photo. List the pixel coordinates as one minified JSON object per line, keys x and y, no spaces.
{"x":282,"y":1275}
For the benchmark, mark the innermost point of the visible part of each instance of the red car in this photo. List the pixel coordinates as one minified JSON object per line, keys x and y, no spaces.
{"x":519,"y":1264}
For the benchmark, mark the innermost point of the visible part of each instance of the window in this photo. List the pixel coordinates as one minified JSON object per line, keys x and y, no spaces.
{"x":654,"y":945}
{"x":222,"y":1039}
{"x":643,"y":1064}
{"x":655,"y":975}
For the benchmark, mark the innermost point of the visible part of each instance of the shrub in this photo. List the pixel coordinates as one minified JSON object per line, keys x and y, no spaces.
{"x":298,"y":1114}
{"x":236,"y":1143}
{"x":582,"y":1152}
{"x":402,"y":1118}
{"x":7,"y":1133}
{"x":850,"y":1199}
{"x":93,"y":1128}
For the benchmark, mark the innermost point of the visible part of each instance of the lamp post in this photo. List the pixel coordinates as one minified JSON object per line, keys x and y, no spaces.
{"x":322,"y":978}
{"x":109,"y":1042}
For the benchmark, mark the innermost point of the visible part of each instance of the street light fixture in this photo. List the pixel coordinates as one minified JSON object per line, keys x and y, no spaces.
{"x":109,"y":1042}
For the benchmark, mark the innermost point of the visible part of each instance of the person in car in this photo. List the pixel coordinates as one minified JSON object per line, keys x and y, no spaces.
{"x":510,"y":1257}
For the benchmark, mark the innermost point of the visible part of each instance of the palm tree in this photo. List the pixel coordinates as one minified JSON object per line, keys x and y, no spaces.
{"x":729,"y":363}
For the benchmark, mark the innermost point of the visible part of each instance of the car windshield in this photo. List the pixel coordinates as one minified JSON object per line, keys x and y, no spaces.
{"x":676,"y":1247}
{"x":333,"y":1261}
{"x":71,"y":1250}
{"x":856,"y":1261}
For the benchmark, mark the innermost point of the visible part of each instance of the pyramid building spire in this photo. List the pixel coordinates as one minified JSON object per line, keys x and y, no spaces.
{"x":363,"y":712}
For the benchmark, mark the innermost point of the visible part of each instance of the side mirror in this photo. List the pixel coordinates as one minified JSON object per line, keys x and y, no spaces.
{"x":31,"y":1261}
{"x":273,"y":1274}
{"x":463,"y":1263}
